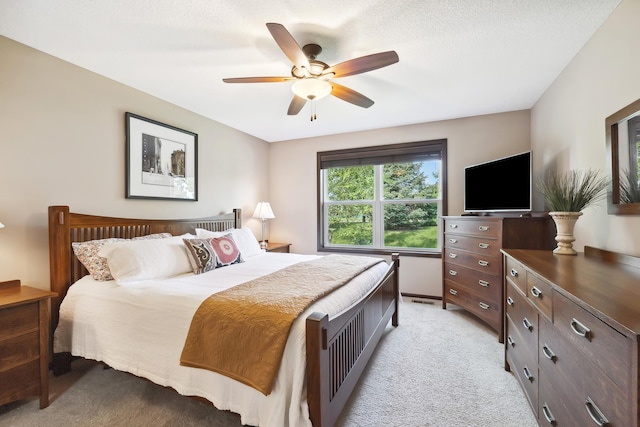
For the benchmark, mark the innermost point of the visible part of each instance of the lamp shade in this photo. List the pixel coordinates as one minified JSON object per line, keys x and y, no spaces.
{"x":311,"y":88}
{"x":1,"y":225}
{"x":263,"y":211}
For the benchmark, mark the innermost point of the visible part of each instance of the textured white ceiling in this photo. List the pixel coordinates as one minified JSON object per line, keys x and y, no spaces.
{"x":458,"y":58}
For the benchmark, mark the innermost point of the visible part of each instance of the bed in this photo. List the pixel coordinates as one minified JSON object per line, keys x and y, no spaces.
{"x":338,"y":337}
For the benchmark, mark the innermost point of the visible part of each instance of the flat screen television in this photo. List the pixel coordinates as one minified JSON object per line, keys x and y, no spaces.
{"x":501,"y":185}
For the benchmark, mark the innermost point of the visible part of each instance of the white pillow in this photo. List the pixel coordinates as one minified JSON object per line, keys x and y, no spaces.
{"x":245,"y":239}
{"x":146,"y":259}
{"x":201,"y":233}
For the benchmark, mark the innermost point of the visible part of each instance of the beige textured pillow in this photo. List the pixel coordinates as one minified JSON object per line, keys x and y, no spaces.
{"x":87,"y":254}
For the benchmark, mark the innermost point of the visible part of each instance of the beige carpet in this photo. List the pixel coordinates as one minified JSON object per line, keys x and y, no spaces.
{"x":439,"y":368}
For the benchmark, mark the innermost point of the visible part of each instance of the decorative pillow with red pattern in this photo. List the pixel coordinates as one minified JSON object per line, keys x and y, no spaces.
{"x":226,"y":250}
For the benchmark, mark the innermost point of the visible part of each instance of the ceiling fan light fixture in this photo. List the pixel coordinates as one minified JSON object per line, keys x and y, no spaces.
{"x":311,"y":88}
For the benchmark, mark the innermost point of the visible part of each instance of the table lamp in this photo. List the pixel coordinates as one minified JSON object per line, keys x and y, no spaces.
{"x":264,"y":212}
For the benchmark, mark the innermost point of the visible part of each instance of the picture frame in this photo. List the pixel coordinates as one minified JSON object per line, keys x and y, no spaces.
{"x":161,"y":160}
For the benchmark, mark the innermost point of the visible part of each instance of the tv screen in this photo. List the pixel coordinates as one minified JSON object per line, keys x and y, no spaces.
{"x":502,"y":185}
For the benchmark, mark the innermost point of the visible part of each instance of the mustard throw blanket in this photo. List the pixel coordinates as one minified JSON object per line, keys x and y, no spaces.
{"x":241,"y":332}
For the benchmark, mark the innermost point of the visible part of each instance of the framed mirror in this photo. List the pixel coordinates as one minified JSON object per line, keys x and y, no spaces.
{"x":623,"y":150}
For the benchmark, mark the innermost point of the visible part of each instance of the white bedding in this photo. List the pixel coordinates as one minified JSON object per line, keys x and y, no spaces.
{"x":141,"y":328}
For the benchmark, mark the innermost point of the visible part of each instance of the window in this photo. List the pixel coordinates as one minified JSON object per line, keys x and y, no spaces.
{"x":382,"y":199}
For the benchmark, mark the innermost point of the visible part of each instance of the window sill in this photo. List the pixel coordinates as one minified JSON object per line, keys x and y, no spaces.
{"x":368,"y":251}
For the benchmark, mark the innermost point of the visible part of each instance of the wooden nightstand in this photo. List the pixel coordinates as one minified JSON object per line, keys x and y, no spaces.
{"x":24,"y":342}
{"x":278,"y":247}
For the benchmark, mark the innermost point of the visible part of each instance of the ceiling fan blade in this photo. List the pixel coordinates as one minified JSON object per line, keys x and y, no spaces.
{"x":296,"y":105}
{"x":257,"y":79}
{"x":363,"y":64}
{"x":350,"y":95}
{"x":288,"y":45}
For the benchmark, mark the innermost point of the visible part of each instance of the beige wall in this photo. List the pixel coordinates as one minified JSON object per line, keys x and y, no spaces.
{"x":62,"y":142}
{"x":567,"y":123}
{"x":470,"y":141}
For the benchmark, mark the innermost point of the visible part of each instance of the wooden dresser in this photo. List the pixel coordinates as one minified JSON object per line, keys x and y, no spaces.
{"x":572,"y":331}
{"x":24,"y":342}
{"x":472,"y":262}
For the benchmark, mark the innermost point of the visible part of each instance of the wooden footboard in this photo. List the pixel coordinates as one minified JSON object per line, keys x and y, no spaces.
{"x":338,"y":349}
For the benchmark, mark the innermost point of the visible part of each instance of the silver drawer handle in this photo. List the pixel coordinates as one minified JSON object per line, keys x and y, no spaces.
{"x":514,"y":272}
{"x":483,"y":263}
{"x":548,"y":353}
{"x":536,"y":292}
{"x":510,"y":341}
{"x":453,"y":240}
{"x":453,"y":292}
{"x":527,"y":374}
{"x":483,"y":283}
{"x":483,"y":245}
{"x":484,"y":306}
{"x":453,"y":273}
{"x":483,"y":228}
{"x":548,"y":415}
{"x":580,"y":329}
{"x":453,"y":225}
{"x":510,"y":301}
{"x":453,"y":255}
{"x":528,"y":326}
{"x":594,"y":412}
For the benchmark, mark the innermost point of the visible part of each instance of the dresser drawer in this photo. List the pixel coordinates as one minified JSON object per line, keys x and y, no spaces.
{"x":516,"y":273}
{"x":481,"y":228}
{"x":18,"y":320}
{"x":595,"y":340}
{"x":19,"y":349}
{"x":523,"y":366}
{"x":487,"y":310}
{"x":488,"y":286}
{"x":478,"y":245}
{"x":488,"y":264}
{"x":524,"y":317}
{"x":540,"y":293}
{"x":552,"y":411}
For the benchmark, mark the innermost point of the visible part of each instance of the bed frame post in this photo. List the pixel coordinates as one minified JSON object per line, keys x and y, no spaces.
{"x":317,"y":384}
{"x":59,"y":262}
{"x":395,"y":259}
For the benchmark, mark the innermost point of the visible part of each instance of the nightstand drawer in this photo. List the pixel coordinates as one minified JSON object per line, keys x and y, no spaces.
{"x":278,"y":247}
{"x":18,"y":320}
{"x":19,"y":349}
{"x":21,"y":382}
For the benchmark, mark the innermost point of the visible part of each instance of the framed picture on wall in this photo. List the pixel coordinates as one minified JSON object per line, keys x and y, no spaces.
{"x":161,"y":160}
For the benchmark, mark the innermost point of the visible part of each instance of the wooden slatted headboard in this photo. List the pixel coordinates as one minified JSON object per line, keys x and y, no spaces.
{"x":67,"y":227}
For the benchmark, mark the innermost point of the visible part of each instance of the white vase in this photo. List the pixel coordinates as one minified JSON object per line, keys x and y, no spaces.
{"x":565,"y":222}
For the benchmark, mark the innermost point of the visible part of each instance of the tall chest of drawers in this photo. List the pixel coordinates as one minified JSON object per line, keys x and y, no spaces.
{"x":572,"y":332}
{"x":472,"y":262}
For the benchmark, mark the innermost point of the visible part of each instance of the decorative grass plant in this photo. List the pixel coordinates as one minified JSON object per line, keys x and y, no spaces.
{"x":629,"y":188}
{"x":572,"y":191}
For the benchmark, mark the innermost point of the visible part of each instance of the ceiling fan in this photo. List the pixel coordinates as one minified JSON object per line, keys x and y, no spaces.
{"x":313,"y":78}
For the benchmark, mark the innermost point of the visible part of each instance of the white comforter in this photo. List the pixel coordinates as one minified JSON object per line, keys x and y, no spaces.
{"x":141,"y":328}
